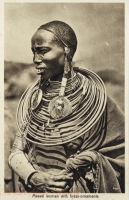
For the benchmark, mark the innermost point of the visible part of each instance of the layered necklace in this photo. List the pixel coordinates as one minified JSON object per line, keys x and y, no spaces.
{"x":46,"y":117}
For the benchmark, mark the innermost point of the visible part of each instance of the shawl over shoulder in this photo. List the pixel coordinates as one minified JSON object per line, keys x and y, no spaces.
{"x":110,"y":156}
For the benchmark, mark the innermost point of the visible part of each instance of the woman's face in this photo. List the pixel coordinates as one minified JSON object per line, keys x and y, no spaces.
{"x":48,"y":55}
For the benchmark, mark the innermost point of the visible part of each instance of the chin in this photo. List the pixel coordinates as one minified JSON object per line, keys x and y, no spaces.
{"x":45,"y":77}
{"x":57,"y":77}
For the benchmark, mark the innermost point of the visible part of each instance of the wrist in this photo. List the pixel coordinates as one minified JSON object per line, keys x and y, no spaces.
{"x":31,"y":177}
{"x":37,"y":178}
{"x":22,"y":167}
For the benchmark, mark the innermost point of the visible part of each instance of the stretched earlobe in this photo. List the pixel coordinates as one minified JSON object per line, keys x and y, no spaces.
{"x":67,"y":50}
{"x":66,"y":66}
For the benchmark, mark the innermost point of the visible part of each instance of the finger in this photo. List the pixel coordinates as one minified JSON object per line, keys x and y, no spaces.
{"x":70,"y":174}
{"x":67,"y":188}
{"x":59,"y":184}
{"x":63,"y":177}
{"x":54,"y":189}
{"x":64,"y":172}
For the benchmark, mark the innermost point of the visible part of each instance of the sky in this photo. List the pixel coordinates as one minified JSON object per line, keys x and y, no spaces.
{"x":99,"y":28}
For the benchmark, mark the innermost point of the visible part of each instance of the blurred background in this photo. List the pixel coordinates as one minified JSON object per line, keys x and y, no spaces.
{"x":100,"y":32}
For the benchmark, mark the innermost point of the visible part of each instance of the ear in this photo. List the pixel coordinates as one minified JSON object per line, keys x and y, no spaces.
{"x":67,"y":50}
{"x":68,"y":54}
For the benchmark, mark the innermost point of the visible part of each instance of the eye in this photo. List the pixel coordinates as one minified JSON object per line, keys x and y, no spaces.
{"x":39,"y":50}
{"x":42,"y":51}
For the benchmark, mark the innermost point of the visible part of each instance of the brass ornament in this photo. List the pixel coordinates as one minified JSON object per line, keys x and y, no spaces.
{"x":59,"y":107}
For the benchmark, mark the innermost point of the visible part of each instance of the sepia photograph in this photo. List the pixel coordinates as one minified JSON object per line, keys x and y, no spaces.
{"x":64,"y":98}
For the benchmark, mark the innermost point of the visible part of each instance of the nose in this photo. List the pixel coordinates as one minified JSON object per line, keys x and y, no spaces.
{"x":36,"y":59}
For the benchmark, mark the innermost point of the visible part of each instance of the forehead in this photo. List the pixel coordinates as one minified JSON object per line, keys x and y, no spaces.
{"x":42,"y":37}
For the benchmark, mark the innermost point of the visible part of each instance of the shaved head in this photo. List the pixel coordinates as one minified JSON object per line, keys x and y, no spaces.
{"x":64,"y":34}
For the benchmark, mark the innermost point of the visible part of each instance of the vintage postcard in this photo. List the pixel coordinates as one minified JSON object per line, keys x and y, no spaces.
{"x":64,"y":99}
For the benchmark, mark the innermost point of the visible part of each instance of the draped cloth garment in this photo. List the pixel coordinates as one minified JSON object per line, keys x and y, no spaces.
{"x":110,"y":155}
{"x":96,"y":168}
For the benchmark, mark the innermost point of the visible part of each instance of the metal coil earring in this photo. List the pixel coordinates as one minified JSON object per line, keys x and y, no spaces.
{"x":59,"y":107}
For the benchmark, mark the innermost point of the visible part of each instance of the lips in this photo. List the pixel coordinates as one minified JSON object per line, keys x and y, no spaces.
{"x":40,"y":70}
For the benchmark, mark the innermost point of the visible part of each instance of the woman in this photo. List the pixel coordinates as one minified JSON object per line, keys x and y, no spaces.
{"x":70,"y":133}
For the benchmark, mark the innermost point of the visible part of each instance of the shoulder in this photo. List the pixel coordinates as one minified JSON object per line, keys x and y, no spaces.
{"x":111,"y":104}
{"x":113,"y":110}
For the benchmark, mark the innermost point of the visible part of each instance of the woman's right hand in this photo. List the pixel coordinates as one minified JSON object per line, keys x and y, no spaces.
{"x":47,"y":181}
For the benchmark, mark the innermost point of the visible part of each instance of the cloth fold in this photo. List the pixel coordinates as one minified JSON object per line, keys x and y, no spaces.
{"x":105,"y":178}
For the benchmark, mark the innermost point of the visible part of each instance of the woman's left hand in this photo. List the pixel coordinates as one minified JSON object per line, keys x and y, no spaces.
{"x":83,"y":159}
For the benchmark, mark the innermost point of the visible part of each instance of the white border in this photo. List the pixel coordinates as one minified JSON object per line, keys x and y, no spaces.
{"x":124,"y":196}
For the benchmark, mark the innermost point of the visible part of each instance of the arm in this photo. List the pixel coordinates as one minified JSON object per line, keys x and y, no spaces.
{"x":22,"y":167}
{"x":43,"y":181}
{"x":81,"y":159}
{"x":18,"y":160}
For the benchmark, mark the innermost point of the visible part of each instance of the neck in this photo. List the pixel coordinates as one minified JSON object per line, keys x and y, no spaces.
{"x":60,"y":76}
